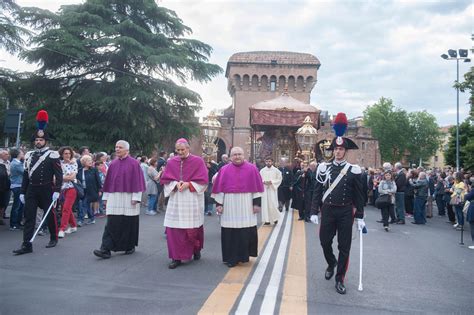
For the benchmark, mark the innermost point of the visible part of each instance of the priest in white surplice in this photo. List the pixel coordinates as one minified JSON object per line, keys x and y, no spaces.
{"x":185,"y":180}
{"x":237,"y":190}
{"x":271,"y":178}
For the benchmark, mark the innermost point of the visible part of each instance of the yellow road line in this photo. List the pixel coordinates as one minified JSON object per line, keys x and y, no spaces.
{"x":294,"y":296}
{"x":223,"y":298}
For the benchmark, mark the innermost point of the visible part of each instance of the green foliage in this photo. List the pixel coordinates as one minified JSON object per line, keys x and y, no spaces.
{"x":107,"y":69}
{"x":390,"y":126}
{"x":468,"y":86}
{"x":400,"y":134}
{"x":466,"y":146}
{"x":425,"y":137}
{"x":11,"y":34}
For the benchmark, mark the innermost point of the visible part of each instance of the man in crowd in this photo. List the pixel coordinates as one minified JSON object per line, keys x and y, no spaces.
{"x":160,"y":167}
{"x":271,"y":177}
{"x":42,"y":180}
{"x":338,"y":189}
{"x":401,"y":182}
{"x":238,"y":189}
{"x":185,"y":180}
{"x":4,"y":184}
{"x":122,"y":193}
{"x":286,"y":187}
{"x":224,"y":161}
{"x":17,"y":170}
{"x":310,"y":182}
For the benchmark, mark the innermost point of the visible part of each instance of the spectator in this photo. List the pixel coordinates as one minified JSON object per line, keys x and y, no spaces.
{"x":16,"y":177}
{"x":400,"y":181}
{"x":421,"y":194}
{"x":388,"y":187}
{"x":457,"y":198}
{"x":89,"y":177}
{"x":152,"y":182}
{"x":439,"y":194}
{"x":68,"y":192}
{"x":447,"y":199}
{"x":4,"y":184}
{"x":209,"y":202}
{"x":409,"y":194}
{"x":470,"y":214}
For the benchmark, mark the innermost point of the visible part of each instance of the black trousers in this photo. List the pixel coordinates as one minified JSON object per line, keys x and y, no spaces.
{"x":451,"y":214}
{"x":39,"y":196}
{"x":441,"y":204}
{"x":386,"y":212}
{"x":336,"y":220}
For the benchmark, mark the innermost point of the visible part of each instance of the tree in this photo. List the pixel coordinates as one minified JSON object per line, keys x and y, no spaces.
{"x":466,"y":130}
{"x":11,"y":34}
{"x":115,"y":64}
{"x":390,"y":127}
{"x":425,"y":137}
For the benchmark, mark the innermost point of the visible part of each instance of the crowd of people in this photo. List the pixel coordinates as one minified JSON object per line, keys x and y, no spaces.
{"x":81,"y":186}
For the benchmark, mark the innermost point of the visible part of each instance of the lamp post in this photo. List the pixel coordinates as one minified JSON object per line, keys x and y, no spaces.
{"x":210,"y":129}
{"x":306,"y":138}
{"x":453,"y":55}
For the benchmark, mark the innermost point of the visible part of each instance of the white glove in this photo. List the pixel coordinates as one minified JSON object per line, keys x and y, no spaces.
{"x":360,"y":224}
{"x":55,"y":196}
{"x":314,"y":218}
{"x":22,"y":198}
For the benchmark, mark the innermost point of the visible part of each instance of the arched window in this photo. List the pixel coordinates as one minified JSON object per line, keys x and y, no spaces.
{"x":273,"y":82}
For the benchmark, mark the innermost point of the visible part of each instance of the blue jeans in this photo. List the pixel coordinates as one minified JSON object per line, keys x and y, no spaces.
{"x":420,"y":210}
{"x":400,"y":205}
{"x":17,"y":208}
{"x":85,"y":207}
{"x":459,"y":214}
{"x":209,"y":208}
{"x":152,"y":202}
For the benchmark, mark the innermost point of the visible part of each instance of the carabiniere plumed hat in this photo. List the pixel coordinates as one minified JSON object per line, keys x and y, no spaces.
{"x":41,"y":124}
{"x":340,"y":126}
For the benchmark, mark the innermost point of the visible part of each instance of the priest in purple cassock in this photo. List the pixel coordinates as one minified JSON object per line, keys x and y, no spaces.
{"x":122,"y":193}
{"x":185,"y":180}
{"x":238,"y":190}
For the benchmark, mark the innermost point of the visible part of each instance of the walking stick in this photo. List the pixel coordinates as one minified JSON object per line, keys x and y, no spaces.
{"x":42,"y":221}
{"x":360,"y":259}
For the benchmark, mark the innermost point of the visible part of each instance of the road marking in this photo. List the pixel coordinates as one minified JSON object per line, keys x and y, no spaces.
{"x":270,"y":298}
{"x":294,"y":296}
{"x":223,"y":298}
{"x":250,"y":291}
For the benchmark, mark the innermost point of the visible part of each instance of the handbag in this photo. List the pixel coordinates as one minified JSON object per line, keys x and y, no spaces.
{"x":455,"y":201}
{"x":79,"y":189}
{"x":383,"y":201}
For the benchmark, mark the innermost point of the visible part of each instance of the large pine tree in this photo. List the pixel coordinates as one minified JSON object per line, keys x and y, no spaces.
{"x":120,"y":67}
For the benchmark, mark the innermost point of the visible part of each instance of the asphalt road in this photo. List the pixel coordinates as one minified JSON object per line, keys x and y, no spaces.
{"x":411,"y":269}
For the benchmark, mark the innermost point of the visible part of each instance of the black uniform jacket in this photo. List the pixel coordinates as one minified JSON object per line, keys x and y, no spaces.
{"x":48,"y":173}
{"x":347,"y":192}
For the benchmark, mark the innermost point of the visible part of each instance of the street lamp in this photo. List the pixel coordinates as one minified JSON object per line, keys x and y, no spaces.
{"x":210,"y":129}
{"x":306,"y":137}
{"x":453,"y":55}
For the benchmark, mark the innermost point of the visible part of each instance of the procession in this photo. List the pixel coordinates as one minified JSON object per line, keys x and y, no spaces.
{"x":145,"y":173}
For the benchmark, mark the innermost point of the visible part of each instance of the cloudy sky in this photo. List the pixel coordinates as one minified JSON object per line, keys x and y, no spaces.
{"x":368,"y":49}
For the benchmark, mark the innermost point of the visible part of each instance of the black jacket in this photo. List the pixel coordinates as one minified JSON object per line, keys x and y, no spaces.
{"x":93,"y":184}
{"x":48,"y":173}
{"x":401,"y":181}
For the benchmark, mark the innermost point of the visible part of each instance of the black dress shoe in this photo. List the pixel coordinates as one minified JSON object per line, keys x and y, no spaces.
{"x":197,"y":256}
{"x":102,"y":253}
{"x":266,"y":223}
{"x":401,"y":222}
{"x":23,"y":250}
{"x":340,"y":288}
{"x":329,"y":273}
{"x":174,"y":264}
{"x":52,"y":243}
{"x":130,"y":251}
{"x":231,"y":265}
{"x":276,"y":222}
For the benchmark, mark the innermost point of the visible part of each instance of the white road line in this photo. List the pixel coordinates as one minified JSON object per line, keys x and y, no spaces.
{"x":269,"y":301}
{"x":251,"y":290}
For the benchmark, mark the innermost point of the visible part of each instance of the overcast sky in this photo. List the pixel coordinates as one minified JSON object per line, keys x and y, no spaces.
{"x":367,"y":49}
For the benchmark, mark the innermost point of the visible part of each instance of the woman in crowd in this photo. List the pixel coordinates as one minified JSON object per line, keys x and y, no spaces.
{"x":152,"y":182}
{"x":457,"y":198}
{"x":439,"y":194}
{"x":68,"y":192}
{"x":102,"y":167}
{"x":447,"y":199}
{"x":421,"y":195}
{"x":387,"y":187}
{"x":409,"y":194}
{"x":470,"y":213}
{"x":89,"y":177}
